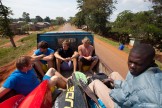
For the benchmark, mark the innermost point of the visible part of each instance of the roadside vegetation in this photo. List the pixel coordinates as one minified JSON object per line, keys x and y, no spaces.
{"x":116,"y":44}
{"x":143,"y":26}
{"x":26,"y":44}
{"x":9,"y":54}
{"x":3,"y":41}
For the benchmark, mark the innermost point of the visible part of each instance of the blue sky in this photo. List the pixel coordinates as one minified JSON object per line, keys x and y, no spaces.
{"x":66,"y":8}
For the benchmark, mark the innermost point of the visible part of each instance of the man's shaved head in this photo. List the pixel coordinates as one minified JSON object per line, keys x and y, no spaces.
{"x":141,"y":57}
{"x":145,"y":50}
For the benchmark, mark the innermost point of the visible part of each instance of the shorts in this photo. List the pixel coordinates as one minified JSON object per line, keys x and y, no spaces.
{"x":87,"y":62}
{"x":46,"y":77}
{"x":44,"y":67}
{"x":66,"y":66}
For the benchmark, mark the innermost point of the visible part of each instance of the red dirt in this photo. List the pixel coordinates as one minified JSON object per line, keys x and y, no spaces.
{"x":114,"y":58}
{"x":16,"y":39}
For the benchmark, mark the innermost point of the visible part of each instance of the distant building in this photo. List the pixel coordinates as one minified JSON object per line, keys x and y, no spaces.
{"x":39,"y":26}
{"x":19,"y":27}
{"x":16,"y":28}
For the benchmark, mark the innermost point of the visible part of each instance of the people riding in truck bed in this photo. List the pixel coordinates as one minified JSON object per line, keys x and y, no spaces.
{"x":142,"y":87}
{"x":45,"y":57}
{"x":86,"y":57}
{"x":24,"y":79}
{"x":66,"y":57}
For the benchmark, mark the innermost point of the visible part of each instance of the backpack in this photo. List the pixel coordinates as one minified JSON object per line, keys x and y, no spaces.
{"x":78,"y":94}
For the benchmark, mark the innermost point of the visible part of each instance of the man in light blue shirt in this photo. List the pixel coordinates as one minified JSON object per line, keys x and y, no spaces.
{"x":142,"y":87}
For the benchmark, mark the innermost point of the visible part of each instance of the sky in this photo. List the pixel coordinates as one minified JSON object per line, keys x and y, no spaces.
{"x":66,"y":8}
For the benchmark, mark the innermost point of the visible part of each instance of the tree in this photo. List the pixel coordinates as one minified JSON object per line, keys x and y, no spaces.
{"x":157,"y":6}
{"x":60,"y":20}
{"x":26,"y":17}
{"x":79,"y":19}
{"x":96,"y":13}
{"x":124,"y":23}
{"x":38,"y":19}
{"x":47,"y":19}
{"x":142,"y":25}
{"x":5,"y":23}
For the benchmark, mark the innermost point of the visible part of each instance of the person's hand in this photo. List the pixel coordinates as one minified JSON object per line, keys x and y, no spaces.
{"x":63,"y":59}
{"x":109,"y":82}
{"x":67,"y":59}
{"x":88,"y":58}
{"x":42,"y":55}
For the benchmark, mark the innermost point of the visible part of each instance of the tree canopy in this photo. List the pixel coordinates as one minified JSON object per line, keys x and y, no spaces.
{"x":47,"y":19}
{"x":5,"y":23}
{"x":38,"y":19}
{"x":26,"y":17}
{"x":94,"y":14}
{"x":142,"y":25}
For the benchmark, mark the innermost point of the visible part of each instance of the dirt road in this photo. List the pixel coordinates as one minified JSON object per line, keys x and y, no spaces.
{"x":114,"y":58}
{"x":16,"y":38}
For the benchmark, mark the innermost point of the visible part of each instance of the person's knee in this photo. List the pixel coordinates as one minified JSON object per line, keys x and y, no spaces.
{"x":81,"y":59}
{"x":74,"y":59}
{"x":37,"y":63}
{"x":95,"y":58}
{"x":53,"y":81}
{"x":116,"y":76}
{"x":51,"y":71}
{"x":93,"y":85}
{"x":97,"y":81}
{"x":58,"y":60}
{"x":50,"y":59}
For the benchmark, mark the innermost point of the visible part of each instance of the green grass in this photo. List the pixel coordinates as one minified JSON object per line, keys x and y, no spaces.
{"x":9,"y":54}
{"x":126,"y":49}
{"x":3,"y":41}
{"x":113,"y":43}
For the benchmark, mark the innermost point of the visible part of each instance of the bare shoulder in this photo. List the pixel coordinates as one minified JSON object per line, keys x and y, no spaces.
{"x":80,"y":46}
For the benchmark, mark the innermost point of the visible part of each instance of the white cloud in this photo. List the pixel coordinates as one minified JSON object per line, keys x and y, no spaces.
{"x":132,"y":5}
{"x":43,"y":8}
{"x":131,"y":1}
{"x":66,"y":8}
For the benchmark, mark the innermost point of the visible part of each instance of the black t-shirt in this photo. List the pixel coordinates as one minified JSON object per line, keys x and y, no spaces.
{"x":65,"y":53}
